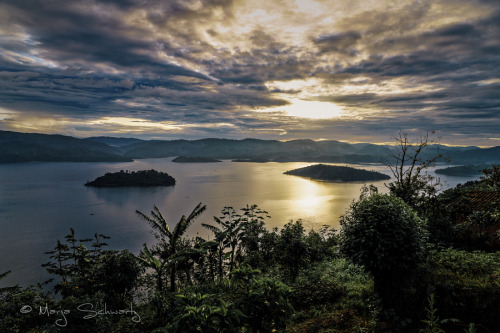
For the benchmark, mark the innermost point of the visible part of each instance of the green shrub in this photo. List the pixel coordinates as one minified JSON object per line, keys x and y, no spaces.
{"x":383,"y":234}
{"x":467,"y":286}
{"x":333,"y":296}
{"x":19,"y":310}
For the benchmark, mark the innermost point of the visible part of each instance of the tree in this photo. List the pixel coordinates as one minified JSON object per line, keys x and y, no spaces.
{"x":105,"y":274}
{"x":241,"y":233}
{"x":292,"y":249}
{"x":170,"y":238}
{"x":227,"y":235}
{"x":408,"y":161}
{"x":382,"y":233}
{"x":492,"y":176}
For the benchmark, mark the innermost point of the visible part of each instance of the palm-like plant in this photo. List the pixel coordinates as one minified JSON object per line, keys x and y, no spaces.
{"x":238,"y":232}
{"x":171,"y":237}
{"x":220,"y":239}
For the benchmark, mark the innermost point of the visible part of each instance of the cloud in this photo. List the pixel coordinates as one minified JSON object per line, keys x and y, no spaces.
{"x":211,"y":66}
{"x":341,"y":43}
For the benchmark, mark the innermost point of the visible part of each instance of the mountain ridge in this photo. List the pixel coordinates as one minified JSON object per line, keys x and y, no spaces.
{"x":25,"y":147}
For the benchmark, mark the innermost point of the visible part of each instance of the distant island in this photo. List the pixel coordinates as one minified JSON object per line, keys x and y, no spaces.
{"x":190,"y":159}
{"x":337,"y":173}
{"x":463,"y":170}
{"x":134,"y":178}
{"x":255,"y":160}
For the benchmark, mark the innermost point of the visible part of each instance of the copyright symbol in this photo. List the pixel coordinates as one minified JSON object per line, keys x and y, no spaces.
{"x":26,"y":309}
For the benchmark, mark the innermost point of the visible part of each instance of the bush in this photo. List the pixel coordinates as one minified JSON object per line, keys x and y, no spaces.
{"x":333,"y":296}
{"x":247,"y":301}
{"x":383,"y":234}
{"x":467,"y":286}
{"x":338,"y":282}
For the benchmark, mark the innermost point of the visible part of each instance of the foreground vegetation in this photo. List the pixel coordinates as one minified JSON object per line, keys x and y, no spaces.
{"x":407,"y":261}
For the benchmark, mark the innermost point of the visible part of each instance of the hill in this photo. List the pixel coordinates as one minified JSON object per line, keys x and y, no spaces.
{"x":337,"y":173}
{"x":112,"y":141}
{"x":28,"y":147}
{"x":257,"y":150}
{"x":25,"y":147}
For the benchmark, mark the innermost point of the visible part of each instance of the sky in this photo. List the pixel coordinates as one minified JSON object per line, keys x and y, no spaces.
{"x":349,"y":70}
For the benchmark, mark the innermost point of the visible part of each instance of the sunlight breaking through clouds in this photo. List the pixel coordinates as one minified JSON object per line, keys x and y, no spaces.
{"x":341,"y":68}
{"x":309,"y":109}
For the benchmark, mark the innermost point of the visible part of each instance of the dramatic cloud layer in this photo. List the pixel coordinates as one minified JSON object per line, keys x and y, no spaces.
{"x":346,"y":70}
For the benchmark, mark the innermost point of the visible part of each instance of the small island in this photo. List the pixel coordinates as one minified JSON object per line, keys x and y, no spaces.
{"x":134,"y":178}
{"x":463,"y":170}
{"x":190,"y":159}
{"x":254,"y":160}
{"x":337,"y":173}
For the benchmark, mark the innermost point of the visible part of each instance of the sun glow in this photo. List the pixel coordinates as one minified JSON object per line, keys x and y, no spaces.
{"x":126,"y":124}
{"x":313,"y":109}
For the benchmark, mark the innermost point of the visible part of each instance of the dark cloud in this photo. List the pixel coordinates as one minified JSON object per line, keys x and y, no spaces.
{"x":349,"y":99}
{"x":342,"y":43}
{"x":262,"y":65}
{"x":195,"y":62}
{"x":83,"y":41}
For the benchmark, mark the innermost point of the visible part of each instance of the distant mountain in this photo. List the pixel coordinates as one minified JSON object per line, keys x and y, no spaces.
{"x":477,"y":156}
{"x":23,"y":147}
{"x":28,"y":147}
{"x":115,"y":142}
{"x":329,"y":151}
{"x":254,"y":149}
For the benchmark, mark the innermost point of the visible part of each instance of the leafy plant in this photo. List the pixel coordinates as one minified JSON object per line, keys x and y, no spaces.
{"x":383,"y":234}
{"x":170,"y":239}
{"x":201,"y":312}
{"x":432,"y":321}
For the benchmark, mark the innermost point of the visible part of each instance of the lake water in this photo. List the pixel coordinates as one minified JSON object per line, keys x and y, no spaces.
{"x":40,"y":202}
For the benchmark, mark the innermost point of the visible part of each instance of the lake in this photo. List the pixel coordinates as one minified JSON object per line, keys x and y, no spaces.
{"x":40,"y":202}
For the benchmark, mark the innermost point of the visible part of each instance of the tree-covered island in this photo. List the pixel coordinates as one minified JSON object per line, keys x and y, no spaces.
{"x":134,"y":178}
{"x":191,"y":159}
{"x":463,"y":170}
{"x":337,"y":173}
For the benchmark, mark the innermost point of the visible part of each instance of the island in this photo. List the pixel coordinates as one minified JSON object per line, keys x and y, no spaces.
{"x":463,"y":170}
{"x":254,"y":159}
{"x":190,"y":159}
{"x":337,"y":173}
{"x":134,"y":178}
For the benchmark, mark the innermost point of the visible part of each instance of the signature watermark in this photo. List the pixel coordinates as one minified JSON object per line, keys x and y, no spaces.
{"x":87,"y":310}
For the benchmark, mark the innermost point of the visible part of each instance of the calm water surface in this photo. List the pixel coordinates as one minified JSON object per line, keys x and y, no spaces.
{"x":39,"y":202}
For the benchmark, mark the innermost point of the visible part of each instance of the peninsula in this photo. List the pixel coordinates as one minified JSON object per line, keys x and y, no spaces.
{"x":134,"y":178}
{"x":463,"y":170}
{"x":337,"y":173}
